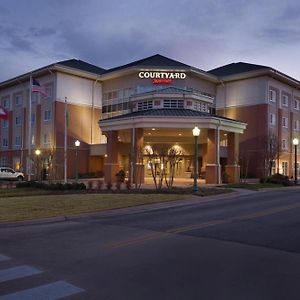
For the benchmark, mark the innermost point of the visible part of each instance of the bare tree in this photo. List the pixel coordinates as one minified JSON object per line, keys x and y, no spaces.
{"x":271,"y":151}
{"x":163,"y":161}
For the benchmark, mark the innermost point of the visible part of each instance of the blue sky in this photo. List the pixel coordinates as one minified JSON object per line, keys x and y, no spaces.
{"x":202,"y":33}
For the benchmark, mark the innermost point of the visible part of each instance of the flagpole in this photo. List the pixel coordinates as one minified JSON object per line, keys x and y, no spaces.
{"x":29,"y":129}
{"x":65,"y":143}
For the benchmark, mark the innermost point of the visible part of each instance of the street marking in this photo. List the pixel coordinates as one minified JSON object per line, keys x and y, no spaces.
{"x":137,"y":240}
{"x":186,"y":228}
{"x":4,"y":258}
{"x":52,"y":291}
{"x":17,"y":272}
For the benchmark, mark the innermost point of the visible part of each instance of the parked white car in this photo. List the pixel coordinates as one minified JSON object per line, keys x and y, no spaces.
{"x":10,"y":174}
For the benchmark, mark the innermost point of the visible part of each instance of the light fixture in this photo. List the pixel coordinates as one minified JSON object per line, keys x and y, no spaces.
{"x":77,"y":144}
{"x":295,"y":143}
{"x":196,"y":133}
{"x":37,"y":152}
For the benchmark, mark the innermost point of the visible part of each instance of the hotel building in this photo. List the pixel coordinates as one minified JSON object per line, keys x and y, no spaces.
{"x":121,"y":114}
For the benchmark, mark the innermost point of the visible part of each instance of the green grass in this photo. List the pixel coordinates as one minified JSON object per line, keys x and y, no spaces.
{"x":18,"y":204}
{"x":33,"y":207}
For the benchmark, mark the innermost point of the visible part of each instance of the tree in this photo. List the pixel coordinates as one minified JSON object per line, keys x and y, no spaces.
{"x":163,"y":161}
{"x":271,"y":152}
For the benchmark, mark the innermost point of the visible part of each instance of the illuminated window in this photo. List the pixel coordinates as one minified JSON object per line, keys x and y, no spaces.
{"x":285,"y":165}
{"x":171,"y":103}
{"x":145,"y":105}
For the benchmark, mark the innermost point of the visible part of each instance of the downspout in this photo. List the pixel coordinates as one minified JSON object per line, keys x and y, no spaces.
{"x":92,"y":112}
{"x":218,"y":154}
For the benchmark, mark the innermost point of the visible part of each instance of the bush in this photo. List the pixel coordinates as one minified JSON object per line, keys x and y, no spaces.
{"x":51,"y":186}
{"x":279,"y":179}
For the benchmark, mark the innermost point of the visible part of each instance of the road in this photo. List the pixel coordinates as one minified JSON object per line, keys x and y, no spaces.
{"x":245,"y":246}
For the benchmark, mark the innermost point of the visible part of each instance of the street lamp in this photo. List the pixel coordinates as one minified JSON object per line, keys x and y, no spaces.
{"x":38,"y":153}
{"x":196,"y":133}
{"x":295,"y":143}
{"x":77,"y":144}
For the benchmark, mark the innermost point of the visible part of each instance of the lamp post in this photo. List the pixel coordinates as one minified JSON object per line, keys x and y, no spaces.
{"x":77,"y":144}
{"x":196,"y":133}
{"x":295,"y":143}
{"x":38,"y":153}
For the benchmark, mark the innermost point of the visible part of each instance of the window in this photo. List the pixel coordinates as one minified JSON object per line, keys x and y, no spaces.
{"x":296,"y":125}
{"x":285,"y":100}
{"x":4,"y":142}
{"x":5,"y":123}
{"x":272,"y":119}
{"x":47,"y":115}
{"x":284,"y":165}
{"x":173,"y":103}
{"x":18,"y":121}
{"x":18,"y":100}
{"x":46,"y":139}
{"x":6,"y":103}
{"x":285,"y":121}
{"x":34,"y":97}
{"x":32,"y":140}
{"x":18,"y":141}
{"x":145,"y":105}
{"x":284,"y":145}
{"x":272,"y":96}
{"x":296,"y":104}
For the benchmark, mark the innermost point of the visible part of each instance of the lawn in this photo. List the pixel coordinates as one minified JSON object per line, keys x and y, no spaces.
{"x":43,"y":206}
{"x":18,"y":204}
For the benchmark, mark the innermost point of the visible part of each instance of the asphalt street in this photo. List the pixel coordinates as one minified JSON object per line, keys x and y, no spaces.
{"x":245,"y":246}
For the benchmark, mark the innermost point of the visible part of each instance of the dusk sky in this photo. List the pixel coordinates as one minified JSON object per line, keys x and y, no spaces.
{"x":202,"y":33}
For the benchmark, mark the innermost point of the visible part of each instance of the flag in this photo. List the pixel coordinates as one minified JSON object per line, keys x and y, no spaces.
{"x":36,"y":87}
{"x":3,"y":113}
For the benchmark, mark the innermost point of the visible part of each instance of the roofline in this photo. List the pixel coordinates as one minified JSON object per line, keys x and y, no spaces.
{"x":208,"y":122}
{"x":261,"y":72}
{"x":55,"y":67}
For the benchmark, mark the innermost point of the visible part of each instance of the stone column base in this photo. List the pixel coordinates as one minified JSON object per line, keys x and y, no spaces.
{"x":211,"y":176}
{"x":233,"y":172}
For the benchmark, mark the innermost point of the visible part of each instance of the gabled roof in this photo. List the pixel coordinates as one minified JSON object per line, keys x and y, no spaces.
{"x":236,"y":68}
{"x":156,"y":60}
{"x":81,"y":65}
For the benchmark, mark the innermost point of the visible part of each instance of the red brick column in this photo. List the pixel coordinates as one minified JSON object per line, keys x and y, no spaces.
{"x":111,"y":164}
{"x":136,"y":161}
{"x":211,"y":157}
{"x":232,"y":168}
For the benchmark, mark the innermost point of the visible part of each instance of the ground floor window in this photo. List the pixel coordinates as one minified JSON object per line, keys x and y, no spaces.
{"x":284,"y":168}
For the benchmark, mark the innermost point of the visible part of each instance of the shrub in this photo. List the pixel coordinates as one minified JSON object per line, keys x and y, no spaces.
{"x":279,"y":179}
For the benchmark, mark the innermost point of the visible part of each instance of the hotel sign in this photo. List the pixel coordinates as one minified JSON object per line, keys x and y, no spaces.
{"x":162,"y":76}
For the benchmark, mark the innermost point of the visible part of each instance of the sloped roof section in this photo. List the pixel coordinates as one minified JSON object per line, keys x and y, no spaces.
{"x":166,"y":112}
{"x":81,"y":65}
{"x":156,"y":60}
{"x":236,"y":68}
